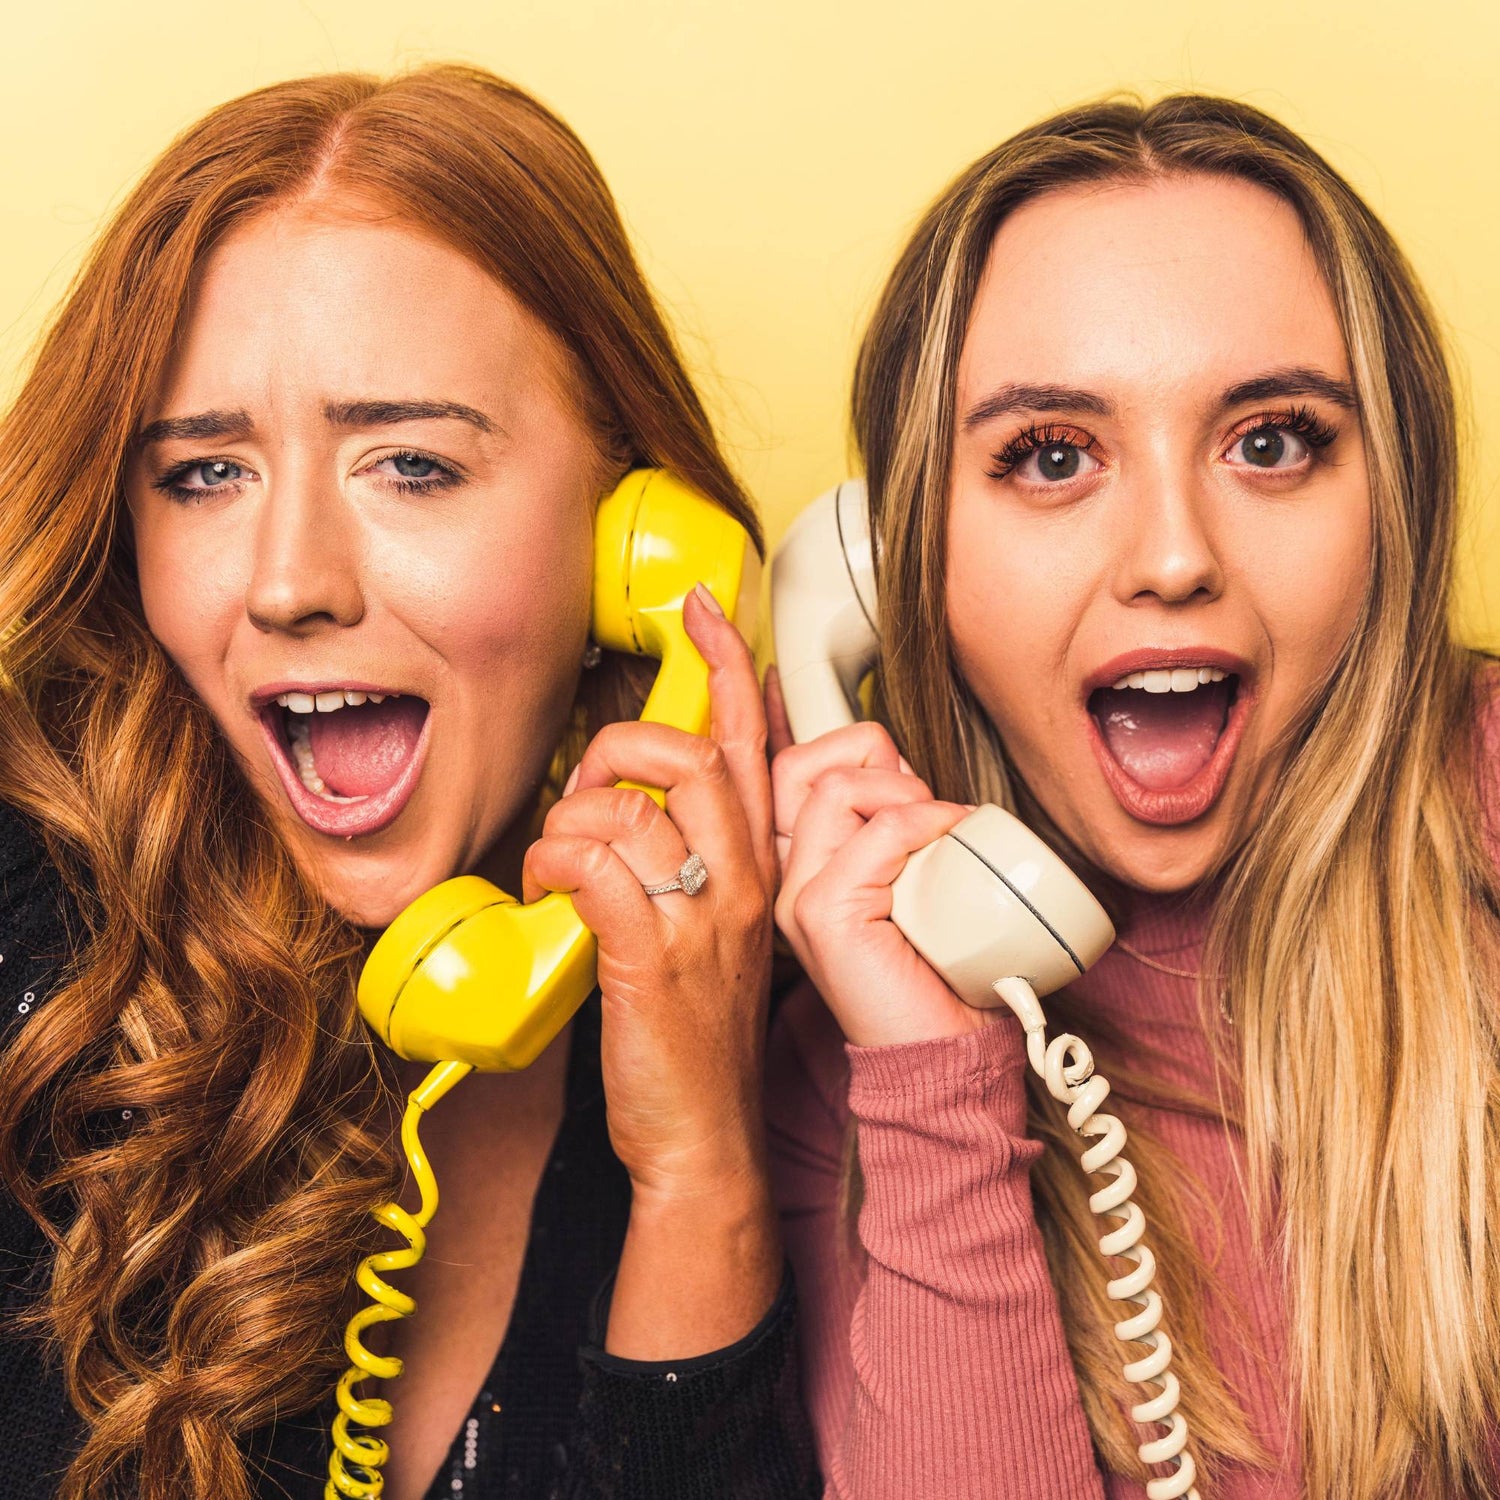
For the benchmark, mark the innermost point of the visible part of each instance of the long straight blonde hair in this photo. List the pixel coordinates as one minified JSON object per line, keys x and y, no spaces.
{"x":1355,"y":930}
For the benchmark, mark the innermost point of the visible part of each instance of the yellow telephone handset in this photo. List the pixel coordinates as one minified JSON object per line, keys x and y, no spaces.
{"x":468,"y":974}
{"x":467,"y":977}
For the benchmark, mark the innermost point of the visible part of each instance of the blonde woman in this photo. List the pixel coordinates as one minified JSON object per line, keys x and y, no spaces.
{"x":296,"y":513}
{"x":1162,"y":468}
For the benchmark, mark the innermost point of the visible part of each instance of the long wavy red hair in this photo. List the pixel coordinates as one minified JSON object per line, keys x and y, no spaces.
{"x":203,"y":1254}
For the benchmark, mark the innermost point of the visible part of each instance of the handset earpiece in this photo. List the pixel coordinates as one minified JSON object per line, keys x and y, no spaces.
{"x":654,"y":539}
{"x":466,"y":973}
{"x":823,"y":610}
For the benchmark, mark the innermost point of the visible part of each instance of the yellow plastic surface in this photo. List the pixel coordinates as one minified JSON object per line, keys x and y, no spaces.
{"x":466,"y":973}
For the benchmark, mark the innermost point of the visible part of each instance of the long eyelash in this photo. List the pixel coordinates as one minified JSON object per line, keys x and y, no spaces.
{"x":1303,"y":420}
{"x":1028,"y":441}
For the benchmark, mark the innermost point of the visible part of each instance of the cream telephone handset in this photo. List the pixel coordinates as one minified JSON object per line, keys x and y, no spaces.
{"x":989,"y":906}
{"x":469,"y":978}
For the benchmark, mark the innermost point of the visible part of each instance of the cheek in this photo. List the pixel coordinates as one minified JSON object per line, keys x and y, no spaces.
{"x":1308,"y":581}
{"x":1014,"y":601}
{"x":192,"y":596}
{"x":512,"y":600}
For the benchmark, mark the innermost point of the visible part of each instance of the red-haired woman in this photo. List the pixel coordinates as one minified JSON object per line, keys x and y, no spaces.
{"x":295,"y":551}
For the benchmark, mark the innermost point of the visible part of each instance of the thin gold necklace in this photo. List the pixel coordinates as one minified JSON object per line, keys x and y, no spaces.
{"x":1151,"y":963}
{"x":1161,"y":968}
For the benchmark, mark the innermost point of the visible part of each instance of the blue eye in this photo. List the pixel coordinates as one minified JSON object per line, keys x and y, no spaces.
{"x":202,"y":477}
{"x":413,"y":465}
{"x":413,"y":472}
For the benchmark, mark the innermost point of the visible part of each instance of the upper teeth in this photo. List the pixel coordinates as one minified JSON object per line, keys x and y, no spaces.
{"x":1171,"y":680}
{"x":326,"y":703}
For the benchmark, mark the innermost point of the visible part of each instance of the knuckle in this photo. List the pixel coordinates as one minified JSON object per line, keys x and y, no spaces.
{"x":708,"y":762}
{"x":808,"y":907}
{"x":875,"y":737}
{"x":635,"y":812}
{"x":836,"y":783}
{"x":785,"y":766}
{"x":593,"y":859}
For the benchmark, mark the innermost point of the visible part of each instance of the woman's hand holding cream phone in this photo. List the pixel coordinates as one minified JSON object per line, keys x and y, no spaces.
{"x":851,"y":813}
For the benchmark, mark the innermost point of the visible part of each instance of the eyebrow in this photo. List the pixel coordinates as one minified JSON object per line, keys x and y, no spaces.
{"x":1009,"y":400}
{"x":387,"y":413}
{"x":1293,"y":380}
{"x":202,"y":427}
{"x":210,"y":426}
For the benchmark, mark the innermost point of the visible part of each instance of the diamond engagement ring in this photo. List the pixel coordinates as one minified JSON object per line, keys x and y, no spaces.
{"x":690,"y":878}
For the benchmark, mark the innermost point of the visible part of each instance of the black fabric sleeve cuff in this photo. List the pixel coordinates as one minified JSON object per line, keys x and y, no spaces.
{"x":728,"y":1425}
{"x":594,"y":1352}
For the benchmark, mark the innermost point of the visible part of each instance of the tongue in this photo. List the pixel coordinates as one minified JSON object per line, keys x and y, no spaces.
{"x":359,"y":752}
{"x":1162,"y":740}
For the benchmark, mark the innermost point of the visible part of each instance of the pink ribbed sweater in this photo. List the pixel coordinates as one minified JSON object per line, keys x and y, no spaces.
{"x":935,"y":1362}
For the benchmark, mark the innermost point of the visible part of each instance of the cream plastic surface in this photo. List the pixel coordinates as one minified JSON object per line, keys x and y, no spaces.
{"x":823,"y":615}
{"x":990,"y":901}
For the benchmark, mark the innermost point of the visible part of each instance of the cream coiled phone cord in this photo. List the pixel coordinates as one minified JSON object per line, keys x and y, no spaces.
{"x":1066,"y":1065}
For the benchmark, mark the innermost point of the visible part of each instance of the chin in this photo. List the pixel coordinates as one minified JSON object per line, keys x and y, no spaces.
{"x":1159,"y":872}
{"x":371,"y":890}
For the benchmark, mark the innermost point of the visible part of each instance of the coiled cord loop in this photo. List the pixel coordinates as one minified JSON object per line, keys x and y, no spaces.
{"x":1066,"y":1066}
{"x":355,"y":1462}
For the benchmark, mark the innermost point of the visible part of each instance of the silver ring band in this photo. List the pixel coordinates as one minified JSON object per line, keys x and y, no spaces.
{"x":691,"y":877}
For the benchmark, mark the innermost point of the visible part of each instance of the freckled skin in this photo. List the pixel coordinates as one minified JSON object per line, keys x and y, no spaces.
{"x":1158,"y":298}
{"x":316,"y":565}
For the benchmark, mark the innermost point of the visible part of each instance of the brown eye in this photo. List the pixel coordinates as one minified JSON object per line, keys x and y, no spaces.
{"x":1060,"y":461}
{"x":1270,"y":448}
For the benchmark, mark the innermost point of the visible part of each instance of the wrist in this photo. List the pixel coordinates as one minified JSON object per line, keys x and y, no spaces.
{"x":725,"y":1162}
{"x":697,"y":1271}
{"x":725,"y":1192}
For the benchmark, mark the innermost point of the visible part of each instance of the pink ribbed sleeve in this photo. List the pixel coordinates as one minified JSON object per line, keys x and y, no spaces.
{"x":936,"y":1362}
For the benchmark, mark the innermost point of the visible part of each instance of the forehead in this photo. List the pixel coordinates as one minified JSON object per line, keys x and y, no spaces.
{"x":316,"y":300}
{"x":1148,"y":288}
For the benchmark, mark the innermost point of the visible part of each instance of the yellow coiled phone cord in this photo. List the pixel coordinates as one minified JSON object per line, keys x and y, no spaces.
{"x":356,"y":1454}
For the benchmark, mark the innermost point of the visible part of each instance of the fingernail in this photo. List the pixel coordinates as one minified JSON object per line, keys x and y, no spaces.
{"x":572,"y":780}
{"x":707,"y":600}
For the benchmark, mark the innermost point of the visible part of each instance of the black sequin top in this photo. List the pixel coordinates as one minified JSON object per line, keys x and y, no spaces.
{"x":557,"y":1419}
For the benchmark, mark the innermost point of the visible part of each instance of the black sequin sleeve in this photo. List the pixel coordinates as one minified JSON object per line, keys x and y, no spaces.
{"x":724,"y":1426}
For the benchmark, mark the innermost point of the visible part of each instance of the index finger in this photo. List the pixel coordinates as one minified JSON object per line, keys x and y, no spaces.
{"x":738,"y":716}
{"x":796,"y":768}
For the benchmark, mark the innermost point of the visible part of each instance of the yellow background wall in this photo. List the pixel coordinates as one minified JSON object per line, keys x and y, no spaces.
{"x":770,"y":156}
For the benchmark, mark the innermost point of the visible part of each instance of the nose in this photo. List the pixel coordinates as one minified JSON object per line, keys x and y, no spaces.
{"x":306,"y":572}
{"x":1168,"y":553}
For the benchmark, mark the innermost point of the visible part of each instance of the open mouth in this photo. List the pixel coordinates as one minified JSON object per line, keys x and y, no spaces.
{"x":1165,"y":737}
{"x":349,"y":758}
